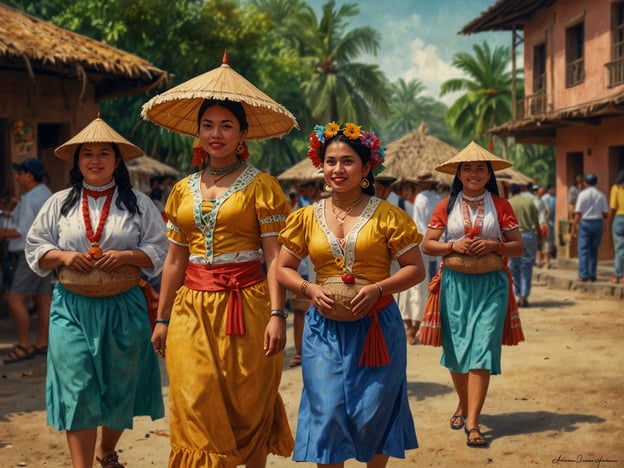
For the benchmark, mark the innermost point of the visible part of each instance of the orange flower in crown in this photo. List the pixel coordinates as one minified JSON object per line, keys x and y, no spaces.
{"x":320,"y":135}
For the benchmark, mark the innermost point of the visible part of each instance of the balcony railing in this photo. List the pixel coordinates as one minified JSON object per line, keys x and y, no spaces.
{"x":575,"y":72}
{"x":532,"y":105}
{"x":615,"y":69}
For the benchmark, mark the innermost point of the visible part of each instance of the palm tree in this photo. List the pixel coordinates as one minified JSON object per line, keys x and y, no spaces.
{"x":487,"y":101}
{"x":338,"y":88}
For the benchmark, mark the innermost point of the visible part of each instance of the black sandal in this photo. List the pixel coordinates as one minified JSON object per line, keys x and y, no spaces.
{"x":18,"y":354}
{"x":110,"y":461}
{"x":478,"y":441}
{"x":455,"y":425}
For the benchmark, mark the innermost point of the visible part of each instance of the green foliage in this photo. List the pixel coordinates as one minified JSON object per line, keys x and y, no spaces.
{"x":487,"y":99}
{"x":534,"y":161}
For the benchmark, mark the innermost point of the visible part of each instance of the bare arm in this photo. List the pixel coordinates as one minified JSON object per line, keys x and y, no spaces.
{"x":275,"y":333}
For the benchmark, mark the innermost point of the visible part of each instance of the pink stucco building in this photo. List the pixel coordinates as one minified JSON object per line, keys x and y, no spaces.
{"x":574,"y":89}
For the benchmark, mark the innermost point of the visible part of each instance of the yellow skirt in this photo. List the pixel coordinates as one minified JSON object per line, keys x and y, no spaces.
{"x":223,"y":394}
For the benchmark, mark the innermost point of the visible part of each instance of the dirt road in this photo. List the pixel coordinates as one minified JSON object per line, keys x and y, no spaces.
{"x":559,"y":401}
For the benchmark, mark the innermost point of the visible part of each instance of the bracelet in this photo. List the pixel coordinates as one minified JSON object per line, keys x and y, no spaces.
{"x":304,"y":286}
{"x":380,"y":290}
{"x":450,"y":247}
{"x":162,"y":320}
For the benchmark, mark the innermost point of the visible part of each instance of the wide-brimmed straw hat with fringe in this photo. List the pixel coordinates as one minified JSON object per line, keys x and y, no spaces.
{"x":98,"y":131}
{"x":473,"y":153}
{"x":176,"y":109}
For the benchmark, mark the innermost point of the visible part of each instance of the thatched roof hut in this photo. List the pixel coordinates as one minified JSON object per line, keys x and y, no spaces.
{"x":418,"y":151}
{"x":143,"y":169}
{"x":52,"y":81}
{"x":41,"y":47}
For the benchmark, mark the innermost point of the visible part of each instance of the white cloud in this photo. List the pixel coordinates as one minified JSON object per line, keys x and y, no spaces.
{"x":426,"y":65}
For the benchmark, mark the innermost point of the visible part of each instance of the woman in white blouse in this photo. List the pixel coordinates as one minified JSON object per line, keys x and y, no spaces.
{"x":102,"y":370}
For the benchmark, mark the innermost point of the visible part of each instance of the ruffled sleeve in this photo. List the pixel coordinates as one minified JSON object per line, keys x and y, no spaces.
{"x":401,"y":231}
{"x":174,"y":201}
{"x":271,"y":205}
{"x":295,"y":236}
{"x":439,"y":217}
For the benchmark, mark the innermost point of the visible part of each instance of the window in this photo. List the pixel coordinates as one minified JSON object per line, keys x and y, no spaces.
{"x":575,"y":68}
{"x":539,"y":68}
{"x":615,"y":68}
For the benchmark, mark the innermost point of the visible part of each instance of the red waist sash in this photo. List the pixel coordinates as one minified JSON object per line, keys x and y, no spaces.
{"x":227,"y":277}
{"x":375,"y":352}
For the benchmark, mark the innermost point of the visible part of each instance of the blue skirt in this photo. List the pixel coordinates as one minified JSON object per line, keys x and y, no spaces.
{"x":472,"y":317}
{"x":102,"y":369}
{"x":348,"y":411}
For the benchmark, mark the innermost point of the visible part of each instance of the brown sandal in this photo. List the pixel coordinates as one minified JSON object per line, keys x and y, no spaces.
{"x":110,"y":461}
{"x":295,"y":361}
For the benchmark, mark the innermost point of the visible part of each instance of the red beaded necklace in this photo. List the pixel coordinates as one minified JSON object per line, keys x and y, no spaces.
{"x":95,"y":251}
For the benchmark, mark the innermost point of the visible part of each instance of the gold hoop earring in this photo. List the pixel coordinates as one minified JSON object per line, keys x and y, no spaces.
{"x":327,"y":188}
{"x":240,"y":149}
{"x":364,"y":183}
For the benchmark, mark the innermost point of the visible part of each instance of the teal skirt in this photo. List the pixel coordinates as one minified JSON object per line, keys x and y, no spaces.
{"x":102,"y":369}
{"x":472,"y":318}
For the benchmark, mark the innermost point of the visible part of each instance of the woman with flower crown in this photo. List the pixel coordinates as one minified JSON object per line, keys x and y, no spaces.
{"x":102,"y":370}
{"x":354,"y":400}
{"x":470,"y":308}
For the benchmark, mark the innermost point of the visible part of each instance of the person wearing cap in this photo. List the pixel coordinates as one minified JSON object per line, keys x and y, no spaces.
{"x":102,"y":370}
{"x":354,"y":399}
{"x":225,"y":341}
{"x":590,"y":212}
{"x":521,"y":267}
{"x":34,"y":193}
{"x":471,"y":308}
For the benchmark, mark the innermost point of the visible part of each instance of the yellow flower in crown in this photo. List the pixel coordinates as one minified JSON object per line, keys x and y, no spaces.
{"x":352,"y":131}
{"x":331,"y":130}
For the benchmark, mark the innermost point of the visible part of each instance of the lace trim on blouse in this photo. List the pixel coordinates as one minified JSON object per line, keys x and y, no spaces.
{"x":344,"y":254}
{"x":206,"y":222}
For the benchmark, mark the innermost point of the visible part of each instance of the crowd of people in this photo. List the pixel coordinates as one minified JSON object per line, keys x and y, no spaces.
{"x":368,"y":265}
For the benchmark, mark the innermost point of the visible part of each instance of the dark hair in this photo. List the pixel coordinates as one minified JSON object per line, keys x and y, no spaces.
{"x":620,"y":177}
{"x":234,"y":107}
{"x":591,"y":179}
{"x":122,"y":178}
{"x":362,"y":151}
{"x":491,"y":185}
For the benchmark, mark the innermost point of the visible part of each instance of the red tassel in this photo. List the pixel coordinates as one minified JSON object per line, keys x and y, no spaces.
{"x":375,"y":352}
{"x":234,"y":323}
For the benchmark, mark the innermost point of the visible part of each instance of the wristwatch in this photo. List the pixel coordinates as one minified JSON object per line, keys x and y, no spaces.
{"x":280,"y":313}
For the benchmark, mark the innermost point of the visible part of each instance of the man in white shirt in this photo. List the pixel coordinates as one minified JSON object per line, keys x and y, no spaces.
{"x":590,"y":212}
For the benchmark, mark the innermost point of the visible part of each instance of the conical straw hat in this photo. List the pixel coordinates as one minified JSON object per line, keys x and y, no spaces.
{"x":176,"y":109}
{"x":473,"y":153}
{"x":98,"y":131}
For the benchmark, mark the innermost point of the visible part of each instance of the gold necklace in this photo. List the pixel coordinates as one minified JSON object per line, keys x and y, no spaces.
{"x":343,"y":211}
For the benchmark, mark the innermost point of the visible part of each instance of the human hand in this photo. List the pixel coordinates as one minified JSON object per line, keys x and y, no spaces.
{"x":320,"y":299}
{"x":463,"y":246}
{"x":109,"y":260}
{"x":364,"y":300}
{"x":480,"y":246}
{"x":77,"y":261}
{"x":159,"y":339}
{"x":275,"y":336}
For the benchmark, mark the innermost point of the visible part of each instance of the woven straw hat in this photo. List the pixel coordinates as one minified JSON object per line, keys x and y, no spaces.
{"x":98,"y":131}
{"x":176,"y":109}
{"x":473,"y":153}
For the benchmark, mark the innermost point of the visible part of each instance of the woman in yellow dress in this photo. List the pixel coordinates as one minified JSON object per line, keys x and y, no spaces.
{"x":354,"y":400}
{"x":223,"y":342}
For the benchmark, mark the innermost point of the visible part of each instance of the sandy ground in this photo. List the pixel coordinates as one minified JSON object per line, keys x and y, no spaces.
{"x":559,"y":401}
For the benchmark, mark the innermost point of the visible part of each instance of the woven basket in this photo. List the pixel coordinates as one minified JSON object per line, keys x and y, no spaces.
{"x":98,"y":283}
{"x":342,"y":293}
{"x":474,"y":265}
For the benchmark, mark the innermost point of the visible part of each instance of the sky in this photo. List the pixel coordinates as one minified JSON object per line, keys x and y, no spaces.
{"x":420,"y":37}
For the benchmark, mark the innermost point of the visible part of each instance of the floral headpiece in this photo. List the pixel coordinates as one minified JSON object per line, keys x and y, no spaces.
{"x":321,"y":134}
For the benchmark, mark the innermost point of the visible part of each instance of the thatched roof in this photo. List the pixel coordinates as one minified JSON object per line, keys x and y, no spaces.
{"x":31,"y":44}
{"x":302,"y":171}
{"x":144,"y":168}
{"x":418,"y":151}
